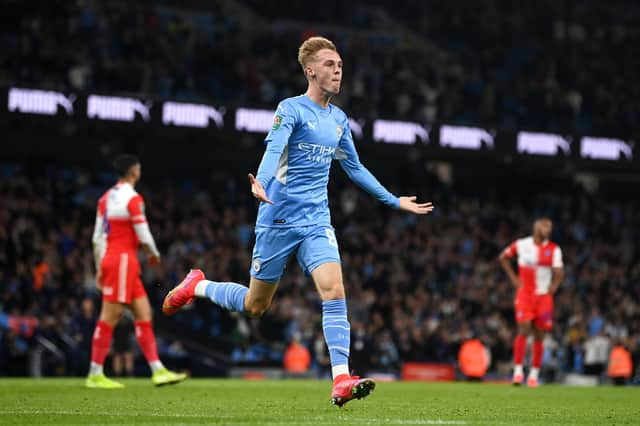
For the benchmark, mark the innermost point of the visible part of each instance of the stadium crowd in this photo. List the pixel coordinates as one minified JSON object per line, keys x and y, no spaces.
{"x":417,"y":287}
{"x":546,"y":65}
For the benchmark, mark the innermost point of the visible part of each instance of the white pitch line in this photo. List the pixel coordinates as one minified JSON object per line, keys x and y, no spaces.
{"x":408,"y":422}
{"x":218,"y":416}
{"x":93,"y":413}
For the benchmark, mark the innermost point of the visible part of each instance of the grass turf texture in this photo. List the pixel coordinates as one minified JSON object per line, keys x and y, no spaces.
{"x":206,"y":401}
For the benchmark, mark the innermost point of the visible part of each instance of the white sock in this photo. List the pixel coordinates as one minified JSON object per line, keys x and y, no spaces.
{"x":533,"y":374}
{"x":517,"y":369}
{"x":155,"y":365}
{"x":95,"y":369}
{"x":201,"y":288}
{"x":337,"y":370}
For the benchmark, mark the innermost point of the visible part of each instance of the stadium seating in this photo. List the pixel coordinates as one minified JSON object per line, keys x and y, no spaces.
{"x":417,"y":289}
{"x":529,"y":67}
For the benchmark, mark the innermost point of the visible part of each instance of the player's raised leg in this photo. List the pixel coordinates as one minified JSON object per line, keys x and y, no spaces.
{"x":337,"y":334}
{"x":160,"y":375}
{"x":100,"y":344}
{"x":253,"y":300}
{"x":270,"y":255}
{"x":230,"y":296}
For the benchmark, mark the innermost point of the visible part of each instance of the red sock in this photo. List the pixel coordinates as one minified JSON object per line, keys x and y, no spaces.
{"x":147,"y":340}
{"x":101,"y":342}
{"x":538,"y":348}
{"x":519,"y":348}
{"x":340,"y":378}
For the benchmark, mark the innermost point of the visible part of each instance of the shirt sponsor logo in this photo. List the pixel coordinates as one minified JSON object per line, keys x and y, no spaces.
{"x":317,"y":153}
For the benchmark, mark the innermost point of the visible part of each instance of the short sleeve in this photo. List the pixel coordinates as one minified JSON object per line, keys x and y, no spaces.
{"x":512,"y":250}
{"x":102,"y":205}
{"x":136,"y":210}
{"x":557,"y":258}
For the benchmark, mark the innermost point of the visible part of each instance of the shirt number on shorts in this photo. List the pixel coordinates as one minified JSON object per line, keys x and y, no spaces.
{"x":331,"y":236}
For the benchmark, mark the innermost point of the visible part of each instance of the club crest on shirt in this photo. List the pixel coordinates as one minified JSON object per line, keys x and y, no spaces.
{"x":277,"y":121}
{"x":339,"y":131}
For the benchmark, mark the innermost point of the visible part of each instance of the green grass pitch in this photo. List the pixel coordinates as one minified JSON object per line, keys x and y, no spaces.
{"x":293,"y":402}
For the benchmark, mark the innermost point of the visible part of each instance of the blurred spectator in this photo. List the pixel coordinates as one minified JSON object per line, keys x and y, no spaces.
{"x":297,"y":358}
{"x":596,"y":354}
{"x":122,"y":347}
{"x":620,"y":366}
{"x":474,"y":359}
{"x":83,"y":323}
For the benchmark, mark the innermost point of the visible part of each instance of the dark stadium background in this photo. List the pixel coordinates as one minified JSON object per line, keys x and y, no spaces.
{"x":417,"y":288}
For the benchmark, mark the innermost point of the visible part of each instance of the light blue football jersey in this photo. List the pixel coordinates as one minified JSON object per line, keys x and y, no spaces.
{"x":294,"y":170}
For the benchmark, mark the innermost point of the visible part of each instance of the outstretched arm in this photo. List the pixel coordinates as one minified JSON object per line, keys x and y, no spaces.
{"x":276,"y":141}
{"x":347,"y":155}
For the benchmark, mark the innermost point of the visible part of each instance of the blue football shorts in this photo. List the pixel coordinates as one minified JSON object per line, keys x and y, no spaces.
{"x":313,"y":245}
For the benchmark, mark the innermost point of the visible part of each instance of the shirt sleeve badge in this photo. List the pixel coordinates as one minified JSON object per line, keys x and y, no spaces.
{"x":277,"y":121}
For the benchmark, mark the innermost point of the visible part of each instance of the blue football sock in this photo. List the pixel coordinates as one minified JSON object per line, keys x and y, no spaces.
{"x":337,"y":334}
{"x":227,"y":295}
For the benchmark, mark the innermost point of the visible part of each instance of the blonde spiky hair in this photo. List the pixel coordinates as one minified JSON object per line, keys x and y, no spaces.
{"x":310,"y":47}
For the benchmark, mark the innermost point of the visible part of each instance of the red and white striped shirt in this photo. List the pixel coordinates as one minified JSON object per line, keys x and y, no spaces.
{"x":121,"y":224}
{"x":535,"y":263}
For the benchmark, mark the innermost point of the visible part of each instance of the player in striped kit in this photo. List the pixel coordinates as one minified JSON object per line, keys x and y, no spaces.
{"x":540,"y":272}
{"x":121,"y":226}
